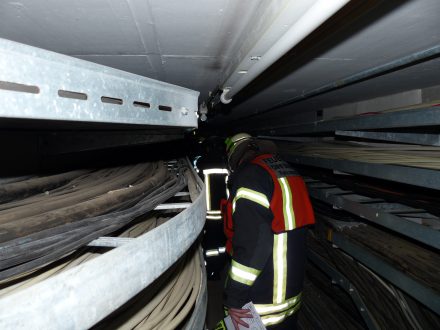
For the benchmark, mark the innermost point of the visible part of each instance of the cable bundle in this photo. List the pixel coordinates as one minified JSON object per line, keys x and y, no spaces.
{"x":406,"y":155}
{"x":165,"y":304}
{"x":390,"y":307}
{"x":24,"y":280}
{"x":46,"y":218}
{"x":326,"y":306}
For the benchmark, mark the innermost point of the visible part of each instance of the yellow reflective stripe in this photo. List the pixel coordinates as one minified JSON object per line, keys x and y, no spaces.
{"x":215,"y":171}
{"x":289,"y":214}
{"x":251,"y":195}
{"x":242,"y":273}
{"x":208,"y":192}
{"x":213,"y":217}
{"x":247,"y":269}
{"x":279,"y":267}
{"x":210,"y":253}
{"x":263,"y":309}
{"x":278,"y":318}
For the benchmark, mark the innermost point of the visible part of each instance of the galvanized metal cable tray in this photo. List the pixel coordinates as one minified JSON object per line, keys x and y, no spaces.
{"x":416,"y":224}
{"x":81,"y":296}
{"x":39,"y":84}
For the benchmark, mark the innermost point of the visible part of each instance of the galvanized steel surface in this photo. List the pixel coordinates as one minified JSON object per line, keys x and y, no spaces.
{"x":80,"y":297}
{"x":399,"y":224}
{"x":404,"y":174}
{"x":427,"y":116}
{"x":413,"y":138}
{"x":39,"y":84}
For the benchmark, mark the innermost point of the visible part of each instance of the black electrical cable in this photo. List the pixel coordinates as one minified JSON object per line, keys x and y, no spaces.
{"x":383,"y":304}
{"x":36,"y":249}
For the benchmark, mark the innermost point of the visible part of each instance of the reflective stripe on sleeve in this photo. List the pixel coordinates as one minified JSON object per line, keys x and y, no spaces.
{"x":278,"y":318}
{"x":279,"y":267}
{"x":243,"y":274}
{"x":264,"y":309}
{"x":212,"y":253}
{"x":289,"y":214}
{"x":251,"y":195}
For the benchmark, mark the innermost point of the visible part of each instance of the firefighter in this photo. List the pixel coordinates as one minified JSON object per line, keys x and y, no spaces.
{"x":265,"y":218}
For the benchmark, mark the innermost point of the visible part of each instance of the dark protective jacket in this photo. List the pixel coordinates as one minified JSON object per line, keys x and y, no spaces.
{"x":269,"y":210}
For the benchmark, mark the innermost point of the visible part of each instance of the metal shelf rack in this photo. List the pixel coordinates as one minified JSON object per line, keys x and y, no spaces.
{"x":425,"y":116}
{"x":393,"y":216}
{"x":422,"y":293}
{"x":404,"y":174}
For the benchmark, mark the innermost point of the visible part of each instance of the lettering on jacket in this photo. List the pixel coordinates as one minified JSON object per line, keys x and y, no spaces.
{"x":280,"y":167}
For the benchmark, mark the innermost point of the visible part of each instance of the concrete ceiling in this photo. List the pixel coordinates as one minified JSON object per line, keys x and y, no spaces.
{"x":389,"y":32}
{"x":186,"y":43}
{"x":191,"y":43}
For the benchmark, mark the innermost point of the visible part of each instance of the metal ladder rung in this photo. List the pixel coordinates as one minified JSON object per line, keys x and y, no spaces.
{"x":172,"y":206}
{"x":112,"y":242}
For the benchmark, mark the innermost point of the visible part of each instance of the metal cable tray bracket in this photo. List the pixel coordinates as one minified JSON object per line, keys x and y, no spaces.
{"x":422,"y":293}
{"x":39,"y":84}
{"x":426,"y":116}
{"x":405,"y":174}
{"x":87,"y":293}
{"x":378,"y":211}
